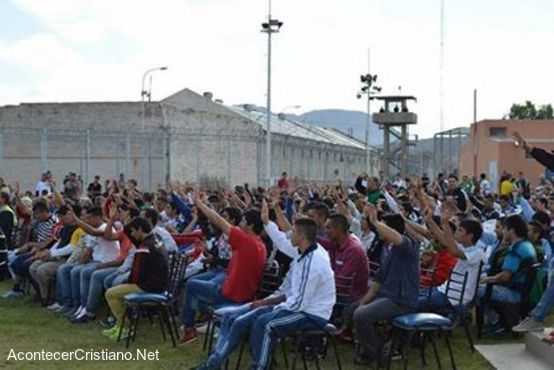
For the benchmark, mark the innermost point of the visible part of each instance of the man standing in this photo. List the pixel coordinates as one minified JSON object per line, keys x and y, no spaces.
{"x":459,"y":197}
{"x":283,"y":183}
{"x":95,"y":188}
{"x":484,"y":185}
{"x":523,"y":184}
{"x":42,"y":186}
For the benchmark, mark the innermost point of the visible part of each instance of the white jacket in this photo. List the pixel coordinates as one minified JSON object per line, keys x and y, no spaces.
{"x":309,"y":286}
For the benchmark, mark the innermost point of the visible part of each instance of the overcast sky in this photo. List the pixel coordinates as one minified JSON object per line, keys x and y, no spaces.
{"x":97,"y":50}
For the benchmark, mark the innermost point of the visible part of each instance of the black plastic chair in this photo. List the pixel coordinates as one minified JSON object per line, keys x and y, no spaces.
{"x":430,"y":324}
{"x":162,"y":303}
{"x":510,"y":313}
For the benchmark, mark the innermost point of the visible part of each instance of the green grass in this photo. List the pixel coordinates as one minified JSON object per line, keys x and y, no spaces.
{"x":24,"y":326}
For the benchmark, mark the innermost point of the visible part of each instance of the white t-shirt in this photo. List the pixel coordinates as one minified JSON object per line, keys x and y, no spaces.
{"x":103,"y":250}
{"x":485,"y":187}
{"x":474,"y":256}
{"x":42,"y":185}
{"x":167,"y":239}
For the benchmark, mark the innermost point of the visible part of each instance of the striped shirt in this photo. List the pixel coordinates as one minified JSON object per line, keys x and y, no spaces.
{"x":43,"y":229}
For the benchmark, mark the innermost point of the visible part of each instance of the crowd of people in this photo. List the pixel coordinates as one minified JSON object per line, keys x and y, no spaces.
{"x":398,"y":242}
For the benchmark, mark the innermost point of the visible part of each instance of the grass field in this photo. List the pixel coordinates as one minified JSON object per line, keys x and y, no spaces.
{"x":25,"y":327}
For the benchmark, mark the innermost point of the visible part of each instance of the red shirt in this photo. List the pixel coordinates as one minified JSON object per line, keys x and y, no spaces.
{"x":442,"y":264}
{"x":245,"y":270}
{"x":283,"y":183}
{"x":349,"y":260}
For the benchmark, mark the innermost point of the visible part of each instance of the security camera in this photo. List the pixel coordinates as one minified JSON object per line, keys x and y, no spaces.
{"x":359,"y":95}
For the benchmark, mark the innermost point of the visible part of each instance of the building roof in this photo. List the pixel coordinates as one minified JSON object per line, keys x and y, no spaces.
{"x":284,"y":126}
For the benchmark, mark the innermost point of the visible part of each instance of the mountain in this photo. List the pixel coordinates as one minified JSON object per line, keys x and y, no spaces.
{"x":350,"y":122}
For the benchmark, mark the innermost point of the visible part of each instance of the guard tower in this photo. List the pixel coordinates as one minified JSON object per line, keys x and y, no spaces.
{"x":395,"y":113}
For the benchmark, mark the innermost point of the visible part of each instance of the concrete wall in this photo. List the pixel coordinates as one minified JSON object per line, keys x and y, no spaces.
{"x":187,"y":134}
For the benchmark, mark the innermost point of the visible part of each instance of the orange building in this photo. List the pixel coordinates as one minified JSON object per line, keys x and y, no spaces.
{"x":489,"y":148}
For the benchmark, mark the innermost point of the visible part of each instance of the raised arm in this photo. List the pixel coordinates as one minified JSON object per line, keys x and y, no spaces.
{"x":386,"y":233}
{"x":444,"y":236}
{"x":211,"y":215}
{"x":91,"y":230}
{"x":279,"y":238}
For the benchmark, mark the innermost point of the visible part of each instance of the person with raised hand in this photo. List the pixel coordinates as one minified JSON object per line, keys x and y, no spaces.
{"x":396,"y":288}
{"x":244,"y":273}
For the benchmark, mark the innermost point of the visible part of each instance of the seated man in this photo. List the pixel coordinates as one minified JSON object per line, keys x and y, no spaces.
{"x":77,"y":278}
{"x":245,"y":270}
{"x":150,"y":271}
{"x":508,"y":283}
{"x":304,"y":300}
{"x":218,"y":256}
{"x":535,"y":322}
{"x":104,"y":270}
{"x":461,"y":245}
{"x":43,"y":238}
{"x":44,"y":268}
{"x":395,"y":289}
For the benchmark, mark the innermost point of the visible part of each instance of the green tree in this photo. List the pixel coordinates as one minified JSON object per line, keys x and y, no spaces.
{"x":545,"y":112}
{"x":529,"y":111}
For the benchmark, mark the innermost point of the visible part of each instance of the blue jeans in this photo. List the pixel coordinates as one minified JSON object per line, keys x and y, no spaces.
{"x":20,"y":265}
{"x":116,"y":279}
{"x":430,"y":299}
{"x":499,"y":293}
{"x":215,"y":276}
{"x":75,"y":278}
{"x":63,"y":284}
{"x":270,"y":326}
{"x":545,"y":304}
{"x":85,"y":278}
{"x":234,"y":327}
{"x":198,"y":292}
{"x":97,"y":287}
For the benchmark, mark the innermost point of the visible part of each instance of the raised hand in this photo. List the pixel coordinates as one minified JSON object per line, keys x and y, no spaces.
{"x":519,"y":141}
{"x":371,"y":212}
{"x":265,"y":212}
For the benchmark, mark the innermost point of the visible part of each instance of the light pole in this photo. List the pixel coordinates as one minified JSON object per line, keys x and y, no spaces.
{"x":269,"y":27}
{"x":368,"y":89}
{"x":144,"y":93}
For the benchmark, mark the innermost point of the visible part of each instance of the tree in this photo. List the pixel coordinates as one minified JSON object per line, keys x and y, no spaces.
{"x":545,"y":112}
{"x":529,"y":111}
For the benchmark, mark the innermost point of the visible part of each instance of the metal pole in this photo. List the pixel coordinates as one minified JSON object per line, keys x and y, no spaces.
{"x":450,"y":151}
{"x":168,"y":156}
{"x":441,"y":67}
{"x":2,"y":153}
{"x":404,"y":150}
{"x":268,"y":112}
{"x":434,"y":156}
{"x":386,"y":150}
{"x":128,"y":156}
{"x":368,"y":110}
{"x":87,"y":156}
{"x":198,"y":147}
{"x":150,"y":163}
{"x":229,"y":161}
{"x":44,"y":149}
{"x":367,"y":154}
